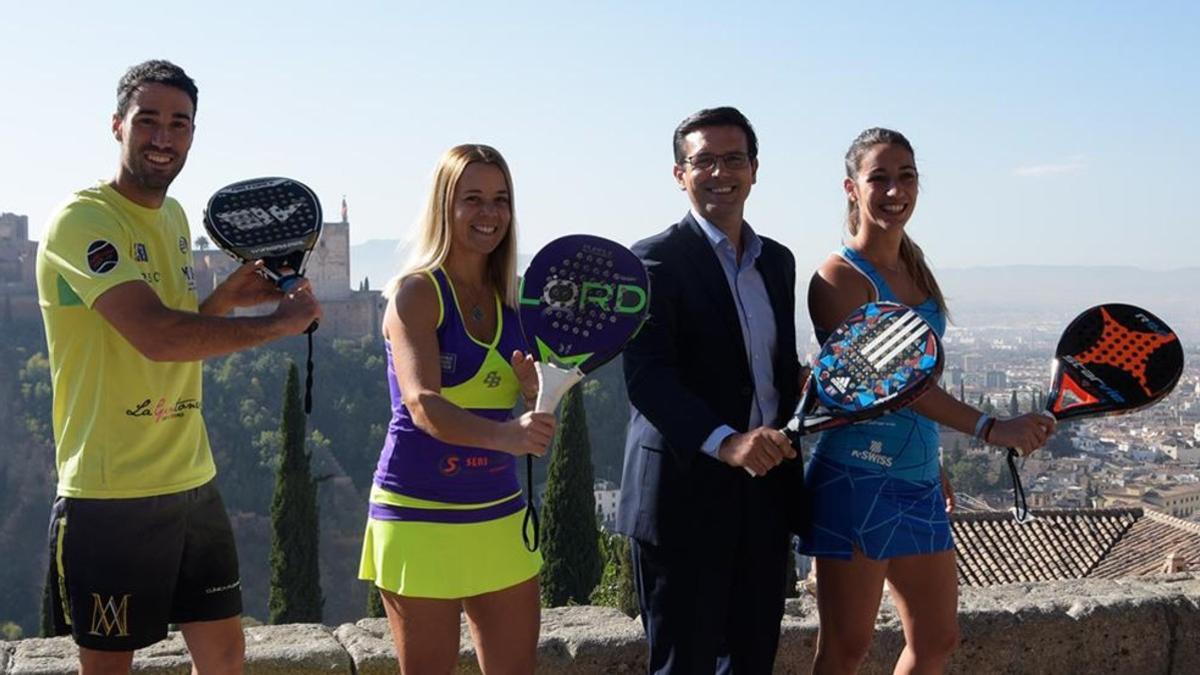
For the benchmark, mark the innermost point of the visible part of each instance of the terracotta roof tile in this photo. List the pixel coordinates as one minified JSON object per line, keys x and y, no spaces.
{"x":1143,"y":550}
{"x":1059,"y":544}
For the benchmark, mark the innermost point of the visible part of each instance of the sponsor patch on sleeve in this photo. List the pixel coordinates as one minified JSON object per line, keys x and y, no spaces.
{"x":102,"y":256}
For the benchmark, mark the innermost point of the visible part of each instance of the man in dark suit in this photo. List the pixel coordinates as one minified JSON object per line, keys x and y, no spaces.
{"x":711,"y":377}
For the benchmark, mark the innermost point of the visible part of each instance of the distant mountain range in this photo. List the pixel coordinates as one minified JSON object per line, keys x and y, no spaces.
{"x":1046,"y":287}
{"x":1038,"y":291}
{"x":983,"y":296}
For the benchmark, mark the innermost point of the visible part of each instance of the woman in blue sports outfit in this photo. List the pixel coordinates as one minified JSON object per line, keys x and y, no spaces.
{"x":880,"y":498}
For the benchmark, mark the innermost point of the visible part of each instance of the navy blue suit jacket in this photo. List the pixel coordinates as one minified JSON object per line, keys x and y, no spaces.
{"x":687,"y":374}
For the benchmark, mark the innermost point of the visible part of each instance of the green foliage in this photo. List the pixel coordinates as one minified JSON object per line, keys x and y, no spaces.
{"x":616,"y":587}
{"x":351,"y":410}
{"x":973,"y":475}
{"x":955,"y":453}
{"x":10,"y":631}
{"x":607,"y":406}
{"x":985,"y":405}
{"x":27,"y":474}
{"x":1014,"y":408}
{"x":569,"y":534}
{"x":37,"y":397}
{"x":46,"y":620}
{"x":374,"y":603}
{"x":295,"y":595}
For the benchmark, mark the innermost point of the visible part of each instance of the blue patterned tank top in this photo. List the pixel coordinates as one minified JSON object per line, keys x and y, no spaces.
{"x":902,"y":444}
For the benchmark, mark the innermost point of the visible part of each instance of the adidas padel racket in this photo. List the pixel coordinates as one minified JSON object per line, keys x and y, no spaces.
{"x":882,"y":358}
{"x":582,"y":298}
{"x":1111,"y":359}
{"x":277,"y":220}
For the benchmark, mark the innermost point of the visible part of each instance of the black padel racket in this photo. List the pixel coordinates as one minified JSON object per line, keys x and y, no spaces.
{"x":882,"y":358}
{"x":582,"y":298}
{"x":277,"y":220}
{"x":1111,"y":359}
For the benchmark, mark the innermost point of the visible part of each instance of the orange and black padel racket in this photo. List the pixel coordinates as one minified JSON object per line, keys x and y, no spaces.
{"x":1111,"y":359}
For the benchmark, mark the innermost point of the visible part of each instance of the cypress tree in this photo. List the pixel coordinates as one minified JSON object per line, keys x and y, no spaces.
{"x":47,"y":628}
{"x":616,"y":587}
{"x":569,"y":533}
{"x":1013,"y":406}
{"x":295,"y":594}
{"x":374,"y":603}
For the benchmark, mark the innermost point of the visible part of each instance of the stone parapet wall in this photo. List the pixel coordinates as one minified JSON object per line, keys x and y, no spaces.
{"x":1092,"y":626}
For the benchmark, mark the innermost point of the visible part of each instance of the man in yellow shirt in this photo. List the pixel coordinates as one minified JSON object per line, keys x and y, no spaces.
{"x":139,"y":535}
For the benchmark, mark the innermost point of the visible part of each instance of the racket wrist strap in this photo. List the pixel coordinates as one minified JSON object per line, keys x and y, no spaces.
{"x":532,"y":541}
{"x":1020,"y":505}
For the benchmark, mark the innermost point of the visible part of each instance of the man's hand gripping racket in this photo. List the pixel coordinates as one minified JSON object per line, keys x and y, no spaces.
{"x":276,"y":220}
{"x":582,"y":298}
{"x":1111,"y":359}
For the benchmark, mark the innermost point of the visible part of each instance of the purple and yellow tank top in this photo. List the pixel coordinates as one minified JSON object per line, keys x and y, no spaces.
{"x":420,"y":478}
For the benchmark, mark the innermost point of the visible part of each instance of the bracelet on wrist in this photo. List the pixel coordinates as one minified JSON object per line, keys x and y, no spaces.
{"x":981,"y":425}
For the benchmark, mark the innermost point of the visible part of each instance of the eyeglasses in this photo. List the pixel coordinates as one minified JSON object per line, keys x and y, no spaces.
{"x":706,"y":162}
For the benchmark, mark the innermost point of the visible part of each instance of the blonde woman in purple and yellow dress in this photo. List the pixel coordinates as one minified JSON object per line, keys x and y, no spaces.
{"x":445,"y":526}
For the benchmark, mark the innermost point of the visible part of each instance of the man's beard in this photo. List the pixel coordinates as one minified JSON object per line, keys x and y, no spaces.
{"x":149,"y":177}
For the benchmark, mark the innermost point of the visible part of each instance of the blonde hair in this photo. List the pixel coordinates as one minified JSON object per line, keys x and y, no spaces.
{"x":432,"y":236}
{"x":911,"y":255}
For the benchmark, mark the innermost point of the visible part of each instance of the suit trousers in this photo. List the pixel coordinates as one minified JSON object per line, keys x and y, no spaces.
{"x":713,"y":607}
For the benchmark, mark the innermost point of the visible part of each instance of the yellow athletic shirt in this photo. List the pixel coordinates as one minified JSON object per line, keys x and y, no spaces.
{"x":124,"y":426}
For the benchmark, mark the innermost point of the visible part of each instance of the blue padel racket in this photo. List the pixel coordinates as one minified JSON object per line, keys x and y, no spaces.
{"x":277,"y":220}
{"x":1111,"y":359}
{"x":582,"y":298}
{"x":882,"y":358}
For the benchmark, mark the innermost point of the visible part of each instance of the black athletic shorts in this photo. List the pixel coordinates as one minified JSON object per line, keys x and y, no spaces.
{"x":122,"y":569}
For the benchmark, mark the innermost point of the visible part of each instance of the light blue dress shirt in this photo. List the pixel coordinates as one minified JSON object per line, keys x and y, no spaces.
{"x":757,"y":321}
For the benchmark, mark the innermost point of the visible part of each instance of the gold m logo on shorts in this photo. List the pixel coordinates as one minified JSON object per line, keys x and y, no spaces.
{"x":108,"y":615}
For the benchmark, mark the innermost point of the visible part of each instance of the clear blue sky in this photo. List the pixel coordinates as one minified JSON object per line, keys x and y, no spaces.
{"x":1046,"y":133}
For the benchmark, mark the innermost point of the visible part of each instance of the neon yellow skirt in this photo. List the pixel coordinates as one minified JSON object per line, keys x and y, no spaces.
{"x":444,"y":560}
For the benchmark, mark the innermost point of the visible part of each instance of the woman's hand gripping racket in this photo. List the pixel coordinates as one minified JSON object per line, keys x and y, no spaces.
{"x":882,"y":358}
{"x":276,"y":220}
{"x":582,"y":298}
{"x":1112,"y":359}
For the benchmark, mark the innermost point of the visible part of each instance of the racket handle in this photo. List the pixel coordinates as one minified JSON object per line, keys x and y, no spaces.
{"x":288,"y":284}
{"x":553,"y":383}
